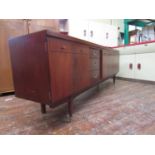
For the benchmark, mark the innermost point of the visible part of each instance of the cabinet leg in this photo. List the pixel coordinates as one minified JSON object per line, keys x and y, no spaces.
{"x":70,"y":108}
{"x":114,"y":79}
{"x":43,"y":108}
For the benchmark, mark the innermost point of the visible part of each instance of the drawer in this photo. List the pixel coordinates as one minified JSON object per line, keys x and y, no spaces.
{"x":95,"y":75}
{"x":110,"y":52}
{"x":59,"y":45}
{"x":94,"y":53}
{"x":80,"y":49}
{"x":95,"y":63}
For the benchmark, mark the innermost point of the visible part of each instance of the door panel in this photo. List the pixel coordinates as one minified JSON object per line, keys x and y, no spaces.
{"x":103,"y":34}
{"x":111,"y":36}
{"x":126,"y":66}
{"x":61,"y":70}
{"x":81,"y":67}
{"x":106,"y":65}
{"x":8,"y":28}
{"x":115,"y":63}
{"x":30,"y":67}
{"x":79,"y":29}
{"x":146,"y":68}
{"x":96,"y":33}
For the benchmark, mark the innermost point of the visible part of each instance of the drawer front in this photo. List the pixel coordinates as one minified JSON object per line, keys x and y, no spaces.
{"x":95,"y":75}
{"x":59,"y":45}
{"x":94,"y":53}
{"x":110,"y":52}
{"x":80,"y":49}
{"x":95,"y":64}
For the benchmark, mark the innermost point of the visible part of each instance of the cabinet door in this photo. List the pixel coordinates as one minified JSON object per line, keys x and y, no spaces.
{"x":96,"y":33}
{"x":42,"y":24}
{"x":81,"y":65}
{"x":8,"y":28}
{"x":126,"y":66}
{"x":106,"y":64}
{"x":103,"y":34}
{"x":114,"y":63}
{"x":61,"y":69}
{"x":79,"y":29}
{"x":145,"y":66}
{"x":111,"y":36}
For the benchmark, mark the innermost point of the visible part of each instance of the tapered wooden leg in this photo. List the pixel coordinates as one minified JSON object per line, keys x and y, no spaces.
{"x":68,"y":117}
{"x":70,"y":108}
{"x":114,"y":79}
{"x":43,"y":108}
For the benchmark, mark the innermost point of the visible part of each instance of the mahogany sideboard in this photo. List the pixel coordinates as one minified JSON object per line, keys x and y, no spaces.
{"x":52,"y":68}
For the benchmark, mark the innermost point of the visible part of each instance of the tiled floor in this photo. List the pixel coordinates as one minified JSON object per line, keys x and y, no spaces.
{"x":126,"y":108}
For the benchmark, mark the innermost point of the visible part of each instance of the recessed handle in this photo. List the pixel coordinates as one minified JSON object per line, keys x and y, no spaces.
{"x":139,"y":66}
{"x":130,"y":66}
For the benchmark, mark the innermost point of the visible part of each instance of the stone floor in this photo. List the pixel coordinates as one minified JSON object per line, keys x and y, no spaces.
{"x":126,"y":108}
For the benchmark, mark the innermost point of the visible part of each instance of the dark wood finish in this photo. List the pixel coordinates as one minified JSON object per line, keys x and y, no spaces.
{"x":43,"y":108}
{"x":52,"y":68}
{"x":61,"y":66}
{"x":81,"y":67}
{"x":30,"y":67}
{"x":70,"y":108}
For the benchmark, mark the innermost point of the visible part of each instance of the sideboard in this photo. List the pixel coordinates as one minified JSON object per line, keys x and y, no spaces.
{"x":52,"y":68}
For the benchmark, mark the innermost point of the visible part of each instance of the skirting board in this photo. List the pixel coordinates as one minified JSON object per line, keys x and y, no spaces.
{"x":136,"y":80}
